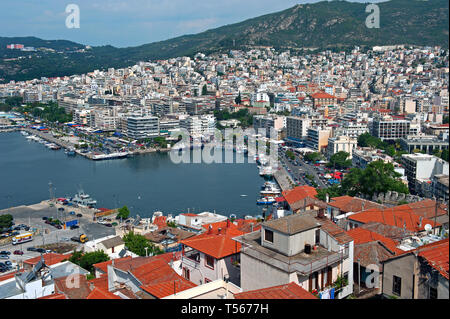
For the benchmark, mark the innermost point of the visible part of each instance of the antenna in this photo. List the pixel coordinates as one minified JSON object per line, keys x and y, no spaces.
{"x":428,"y":228}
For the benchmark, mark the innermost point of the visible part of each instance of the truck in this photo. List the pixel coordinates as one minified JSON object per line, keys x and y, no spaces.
{"x":80,"y":239}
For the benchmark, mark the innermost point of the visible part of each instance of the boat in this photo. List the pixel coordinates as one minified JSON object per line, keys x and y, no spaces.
{"x":98,"y":157}
{"x":233,"y":216}
{"x":70,"y":152}
{"x":244,"y":195}
{"x":270,"y":190}
{"x":265,"y":171}
{"x":83,"y":199}
{"x":24,"y":133}
{"x":266,"y":201}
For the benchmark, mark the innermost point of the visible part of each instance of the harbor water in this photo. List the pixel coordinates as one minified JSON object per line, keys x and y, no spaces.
{"x":145,"y":183}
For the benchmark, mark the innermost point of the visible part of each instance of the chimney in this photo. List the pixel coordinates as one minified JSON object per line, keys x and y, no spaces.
{"x":251,"y":227}
{"x":210,"y":229}
{"x":218,"y":230}
{"x":420,"y":221}
{"x":228,"y":223}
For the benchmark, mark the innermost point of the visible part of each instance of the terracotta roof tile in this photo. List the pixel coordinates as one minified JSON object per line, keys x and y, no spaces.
{"x":98,"y":293}
{"x":436,"y":255}
{"x":299,"y":193}
{"x":167,"y":288}
{"x":288,"y":291}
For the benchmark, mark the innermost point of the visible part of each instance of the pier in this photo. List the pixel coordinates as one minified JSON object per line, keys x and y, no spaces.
{"x":283,"y":179}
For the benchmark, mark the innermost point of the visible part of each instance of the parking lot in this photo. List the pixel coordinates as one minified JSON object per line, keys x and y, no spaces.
{"x":33,"y":216}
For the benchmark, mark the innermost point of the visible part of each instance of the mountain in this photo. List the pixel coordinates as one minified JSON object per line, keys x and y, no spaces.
{"x":326,"y":24}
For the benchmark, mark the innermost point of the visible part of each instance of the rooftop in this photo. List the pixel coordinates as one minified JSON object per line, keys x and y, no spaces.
{"x":288,"y":291}
{"x":292,"y":224}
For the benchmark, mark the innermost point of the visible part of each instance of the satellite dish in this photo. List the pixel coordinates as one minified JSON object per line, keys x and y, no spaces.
{"x":428,"y":227}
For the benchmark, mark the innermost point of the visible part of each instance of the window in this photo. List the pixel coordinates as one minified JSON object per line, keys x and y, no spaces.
{"x":268,"y":235}
{"x":397,"y":286}
{"x":317,"y":236}
{"x":186,"y":273}
{"x":209,"y":261}
{"x":433,"y":293}
{"x":207,"y":280}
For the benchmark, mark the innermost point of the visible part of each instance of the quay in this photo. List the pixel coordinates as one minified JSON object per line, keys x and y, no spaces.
{"x":283,"y":179}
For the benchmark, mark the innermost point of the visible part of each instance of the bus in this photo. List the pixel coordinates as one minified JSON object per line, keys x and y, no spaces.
{"x":22,"y":238}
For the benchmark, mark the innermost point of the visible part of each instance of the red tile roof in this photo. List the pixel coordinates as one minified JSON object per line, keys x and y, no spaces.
{"x":395,"y":216}
{"x":362,"y":236}
{"x":215,"y":244}
{"x":348,"y":204}
{"x":98,"y":293}
{"x":299,"y":193}
{"x":49,"y":259}
{"x":103,"y":266}
{"x":288,"y":291}
{"x":168,"y":288}
{"x":436,"y":255}
{"x":322,"y":95}
{"x":53,"y":296}
{"x":160,"y":221}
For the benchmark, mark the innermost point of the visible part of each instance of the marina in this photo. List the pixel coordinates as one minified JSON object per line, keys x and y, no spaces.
{"x":145,"y":183}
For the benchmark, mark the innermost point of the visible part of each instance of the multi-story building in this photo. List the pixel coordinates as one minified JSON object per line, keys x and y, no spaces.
{"x":389,"y":129}
{"x":142,"y":127}
{"x":268,"y":122}
{"x":105,"y":119}
{"x":310,"y":251}
{"x":423,"y":143}
{"x":297,"y":127}
{"x":341,"y":144}
{"x":420,"y":169}
{"x":317,"y":138}
{"x":440,"y":187}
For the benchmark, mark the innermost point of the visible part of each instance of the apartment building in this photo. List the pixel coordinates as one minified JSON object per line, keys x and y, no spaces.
{"x":389,"y":129}
{"x":440,"y":187}
{"x":297,"y":127}
{"x":423,"y":143}
{"x":317,"y":138}
{"x":420,"y":169}
{"x":306,"y":249}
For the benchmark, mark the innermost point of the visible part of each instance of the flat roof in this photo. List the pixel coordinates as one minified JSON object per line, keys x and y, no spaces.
{"x":292,"y":224}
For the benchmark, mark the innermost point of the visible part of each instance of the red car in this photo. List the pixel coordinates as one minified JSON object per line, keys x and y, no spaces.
{"x":18,"y":252}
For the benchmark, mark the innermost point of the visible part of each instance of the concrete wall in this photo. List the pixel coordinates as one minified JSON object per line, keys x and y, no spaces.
{"x":401,"y":267}
{"x":257,"y":275}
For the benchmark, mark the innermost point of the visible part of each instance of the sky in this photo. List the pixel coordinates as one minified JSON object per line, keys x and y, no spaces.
{"x":124,"y":23}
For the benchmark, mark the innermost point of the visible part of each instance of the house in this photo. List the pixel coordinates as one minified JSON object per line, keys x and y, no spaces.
{"x":306,"y":249}
{"x":370,"y":250}
{"x":402,"y":217}
{"x":168,"y":237}
{"x":194,"y":222}
{"x":145,"y":277}
{"x":287,"y":291}
{"x":212,"y":255}
{"x":112,"y":245}
{"x":49,"y":260}
{"x":302,"y":198}
{"x":422,"y":273}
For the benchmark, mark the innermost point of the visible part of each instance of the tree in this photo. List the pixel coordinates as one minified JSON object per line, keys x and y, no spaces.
{"x":87,"y":260}
{"x":375,"y":178}
{"x":312,"y":157}
{"x":137,"y":244}
{"x":332,"y":191}
{"x":340,"y":160}
{"x":6,"y":221}
{"x":290,"y":154}
{"x":204,"y":90}
{"x":238,"y":99}
{"x":124,"y":212}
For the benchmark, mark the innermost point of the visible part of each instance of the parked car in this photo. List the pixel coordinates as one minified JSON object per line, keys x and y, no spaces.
{"x":41,"y":250}
{"x":18,"y":252}
{"x":31,"y":248}
{"x":3,"y":252}
{"x":58,"y":226}
{"x":8,"y":263}
{"x":108,"y":225}
{"x":61,"y":209}
{"x":4,"y":257}
{"x":79,"y":215}
{"x":44,"y":218}
{"x":74,"y":227}
{"x":72,"y":213}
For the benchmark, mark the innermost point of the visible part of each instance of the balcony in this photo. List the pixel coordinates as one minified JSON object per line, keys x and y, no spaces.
{"x":191,"y":259}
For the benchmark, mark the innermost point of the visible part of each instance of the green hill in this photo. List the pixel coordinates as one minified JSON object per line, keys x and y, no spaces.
{"x":326,"y":24}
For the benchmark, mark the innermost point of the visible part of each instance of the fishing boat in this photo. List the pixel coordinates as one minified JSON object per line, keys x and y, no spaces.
{"x":24,"y":133}
{"x":266,"y":171}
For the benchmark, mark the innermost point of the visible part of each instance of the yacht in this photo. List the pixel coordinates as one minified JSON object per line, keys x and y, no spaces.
{"x":266,"y":201}
{"x":83,"y":199}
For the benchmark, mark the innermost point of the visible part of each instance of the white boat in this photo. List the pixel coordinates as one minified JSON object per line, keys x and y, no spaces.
{"x":83,"y":199}
{"x":265,"y":171}
{"x":98,"y":157}
{"x":24,"y":133}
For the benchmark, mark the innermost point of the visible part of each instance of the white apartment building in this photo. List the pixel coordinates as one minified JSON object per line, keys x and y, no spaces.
{"x":420,"y":169}
{"x":317,"y":138}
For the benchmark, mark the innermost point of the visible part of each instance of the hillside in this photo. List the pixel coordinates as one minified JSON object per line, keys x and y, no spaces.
{"x":327,"y":24}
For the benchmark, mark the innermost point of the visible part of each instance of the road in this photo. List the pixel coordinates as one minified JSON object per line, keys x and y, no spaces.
{"x":296,"y":171}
